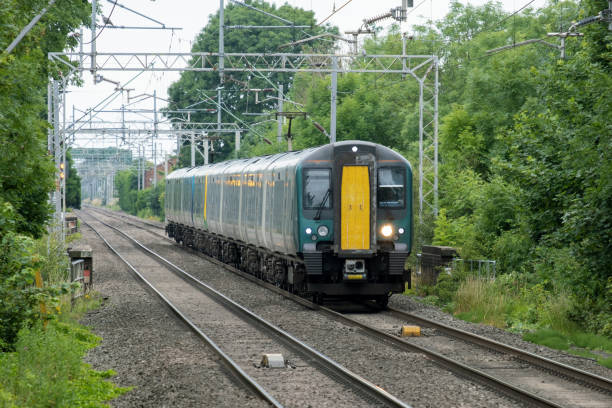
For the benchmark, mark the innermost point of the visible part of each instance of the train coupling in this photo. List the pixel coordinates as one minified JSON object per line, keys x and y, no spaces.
{"x":354,"y":270}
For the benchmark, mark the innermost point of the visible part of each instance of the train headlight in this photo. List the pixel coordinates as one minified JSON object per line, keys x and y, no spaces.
{"x":400,"y":230}
{"x":386,"y":230}
{"x":308,"y":230}
{"x":323,"y":231}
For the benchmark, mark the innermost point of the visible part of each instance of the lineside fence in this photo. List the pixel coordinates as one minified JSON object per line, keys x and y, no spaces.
{"x":434,"y":260}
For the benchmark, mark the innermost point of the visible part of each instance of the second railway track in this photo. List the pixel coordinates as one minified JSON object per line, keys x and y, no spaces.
{"x":584,"y":389}
{"x":310,"y":376}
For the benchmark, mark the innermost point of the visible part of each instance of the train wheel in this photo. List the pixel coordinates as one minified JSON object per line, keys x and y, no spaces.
{"x":382,"y":301}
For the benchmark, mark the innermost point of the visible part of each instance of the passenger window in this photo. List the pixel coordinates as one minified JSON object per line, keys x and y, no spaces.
{"x":317,"y":188}
{"x":390,"y":190}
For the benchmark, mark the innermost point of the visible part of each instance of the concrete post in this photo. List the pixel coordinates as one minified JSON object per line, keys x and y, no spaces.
{"x":165,"y":166}
{"x":421,"y":169}
{"x":279,"y":129}
{"x":94,"y":12}
{"x":192,"y":148}
{"x":334,"y":94}
{"x":57,"y":152}
{"x":206,"y":148}
{"x":64,"y":146}
{"x":155,"y":139}
{"x":138,"y":168}
{"x":221,"y":61}
{"x":237,"y":140}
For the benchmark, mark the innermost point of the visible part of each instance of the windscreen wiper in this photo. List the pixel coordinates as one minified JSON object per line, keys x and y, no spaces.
{"x":325,"y":197}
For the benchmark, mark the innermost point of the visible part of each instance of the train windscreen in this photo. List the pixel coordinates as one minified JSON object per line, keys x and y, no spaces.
{"x":390,"y":191}
{"x":317,"y":186}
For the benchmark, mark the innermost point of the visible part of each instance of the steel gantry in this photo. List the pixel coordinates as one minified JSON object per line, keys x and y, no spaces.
{"x":193,"y":132}
{"x":422,"y":68}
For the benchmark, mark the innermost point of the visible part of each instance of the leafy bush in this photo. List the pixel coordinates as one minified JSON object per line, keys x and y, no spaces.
{"x":145,"y":203}
{"x":46,"y":370}
{"x":19,"y":298}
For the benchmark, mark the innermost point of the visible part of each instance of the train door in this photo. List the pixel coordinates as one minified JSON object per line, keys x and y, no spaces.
{"x":355,"y":208}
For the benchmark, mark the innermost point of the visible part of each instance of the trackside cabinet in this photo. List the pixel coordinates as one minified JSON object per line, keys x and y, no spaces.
{"x":81,"y":259}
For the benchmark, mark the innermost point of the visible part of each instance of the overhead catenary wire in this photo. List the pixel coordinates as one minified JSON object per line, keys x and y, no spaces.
{"x":335,"y":11}
{"x":113,"y":95}
{"x":497,"y":24}
{"x":298,"y":107}
{"x":290,"y":23}
{"x":221,"y":106}
{"x":135,"y":12}
{"x":488,"y":28}
{"x":104,"y":26}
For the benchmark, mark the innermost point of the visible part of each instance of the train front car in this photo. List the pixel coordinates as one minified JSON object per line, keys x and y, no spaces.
{"x":355,"y":220}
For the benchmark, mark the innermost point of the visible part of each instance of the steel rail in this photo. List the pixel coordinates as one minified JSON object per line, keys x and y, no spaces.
{"x":348,"y":376}
{"x":236,"y":370}
{"x":453,"y":365}
{"x":575,"y":374}
{"x":302,"y":301}
{"x":112,"y":213}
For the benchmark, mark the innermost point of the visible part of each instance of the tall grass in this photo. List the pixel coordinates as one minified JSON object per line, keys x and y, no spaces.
{"x":55,"y":262}
{"x":478,"y":300}
{"x":541,"y":314}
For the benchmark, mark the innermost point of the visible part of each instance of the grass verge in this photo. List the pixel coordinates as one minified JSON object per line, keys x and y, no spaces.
{"x":47,"y":369}
{"x":575,"y":342}
{"x":539,"y":313}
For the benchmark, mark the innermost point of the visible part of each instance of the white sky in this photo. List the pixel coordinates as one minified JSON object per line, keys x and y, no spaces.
{"x":192,"y":16}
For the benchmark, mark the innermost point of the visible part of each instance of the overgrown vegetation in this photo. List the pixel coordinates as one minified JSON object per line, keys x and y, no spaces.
{"x":42,"y":367}
{"x":26,"y":171}
{"x":73,"y":184}
{"x":46,"y":368}
{"x":39,"y":367}
{"x":147,"y":203}
{"x":527,"y":179}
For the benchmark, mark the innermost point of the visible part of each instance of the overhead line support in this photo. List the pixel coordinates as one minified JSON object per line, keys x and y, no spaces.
{"x":423,"y":68}
{"x":94,"y":11}
{"x":264,"y":27}
{"x":27,"y":28}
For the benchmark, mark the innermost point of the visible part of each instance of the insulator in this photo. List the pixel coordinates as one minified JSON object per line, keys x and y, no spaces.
{"x":369,"y":21}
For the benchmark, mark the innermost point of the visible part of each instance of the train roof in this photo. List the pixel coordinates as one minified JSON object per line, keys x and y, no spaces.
{"x":279,"y":159}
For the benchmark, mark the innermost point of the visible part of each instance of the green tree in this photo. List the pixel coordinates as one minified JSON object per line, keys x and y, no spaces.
{"x":73,"y":184}
{"x":560,"y":151}
{"x":26,"y":173}
{"x":525,"y":153}
{"x":126,"y":184}
{"x":193,"y":88}
{"x":146,"y":203}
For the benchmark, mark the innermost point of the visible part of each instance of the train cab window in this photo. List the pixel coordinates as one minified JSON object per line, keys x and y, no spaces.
{"x":317,"y":188}
{"x":390,"y":191}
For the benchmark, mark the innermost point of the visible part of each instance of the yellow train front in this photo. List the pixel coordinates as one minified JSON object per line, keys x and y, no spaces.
{"x":331,"y":221}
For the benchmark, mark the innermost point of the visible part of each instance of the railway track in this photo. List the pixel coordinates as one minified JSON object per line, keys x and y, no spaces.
{"x":185,"y":284}
{"x":591,"y":380}
{"x":589,"y":385}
